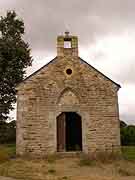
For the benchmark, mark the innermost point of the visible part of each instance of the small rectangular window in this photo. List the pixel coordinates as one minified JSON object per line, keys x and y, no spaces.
{"x":67,"y":44}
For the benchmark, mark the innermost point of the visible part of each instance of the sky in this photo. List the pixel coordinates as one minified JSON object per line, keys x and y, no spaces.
{"x":106,"y":32}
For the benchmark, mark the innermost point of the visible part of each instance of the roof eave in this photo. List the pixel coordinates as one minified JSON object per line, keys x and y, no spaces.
{"x":118,"y":85}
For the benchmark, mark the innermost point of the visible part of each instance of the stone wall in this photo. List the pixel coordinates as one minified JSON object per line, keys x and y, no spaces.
{"x":43,"y":96}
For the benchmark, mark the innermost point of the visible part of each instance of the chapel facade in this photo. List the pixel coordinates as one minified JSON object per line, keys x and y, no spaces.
{"x":67,"y":106}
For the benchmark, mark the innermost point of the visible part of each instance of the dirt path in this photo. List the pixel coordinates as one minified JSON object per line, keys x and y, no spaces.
{"x":6,"y":178}
{"x":102,"y":178}
{"x":67,"y":169}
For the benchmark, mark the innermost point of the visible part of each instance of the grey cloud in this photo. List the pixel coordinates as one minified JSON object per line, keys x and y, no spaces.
{"x":88,"y":19}
{"x":128,"y":118}
{"x":127,"y":75}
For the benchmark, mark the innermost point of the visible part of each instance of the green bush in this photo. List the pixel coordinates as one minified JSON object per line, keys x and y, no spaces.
{"x":128,"y":135}
{"x":7,"y":132}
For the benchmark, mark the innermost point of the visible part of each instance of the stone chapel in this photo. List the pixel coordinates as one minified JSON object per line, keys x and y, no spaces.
{"x":67,"y":106}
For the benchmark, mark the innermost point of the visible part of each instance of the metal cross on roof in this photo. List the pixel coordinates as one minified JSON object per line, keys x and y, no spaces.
{"x":67,"y":33}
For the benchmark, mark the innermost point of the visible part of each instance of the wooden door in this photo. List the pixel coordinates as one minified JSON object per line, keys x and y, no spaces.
{"x":61,"y":132}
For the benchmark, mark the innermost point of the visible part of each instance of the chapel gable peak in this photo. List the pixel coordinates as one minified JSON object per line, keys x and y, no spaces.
{"x":67,"y":45}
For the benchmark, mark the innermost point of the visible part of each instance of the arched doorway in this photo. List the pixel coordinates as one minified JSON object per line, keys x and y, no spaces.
{"x":69,"y":132}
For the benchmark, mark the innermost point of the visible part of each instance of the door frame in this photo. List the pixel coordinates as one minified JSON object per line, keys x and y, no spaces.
{"x":60,"y":129}
{"x":84,"y":118}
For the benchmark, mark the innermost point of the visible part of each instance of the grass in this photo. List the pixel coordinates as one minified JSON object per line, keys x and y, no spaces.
{"x":124,"y":172}
{"x":7,"y":152}
{"x":128,"y":153}
{"x":85,"y":160}
{"x":52,"y":158}
{"x":64,"y":168}
{"x":8,"y":148}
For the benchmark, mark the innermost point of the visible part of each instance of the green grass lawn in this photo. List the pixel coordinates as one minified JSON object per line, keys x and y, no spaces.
{"x":128,"y":152}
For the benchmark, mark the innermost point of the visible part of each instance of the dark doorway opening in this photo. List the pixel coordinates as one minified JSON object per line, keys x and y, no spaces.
{"x":69,"y":132}
{"x":73,"y":132}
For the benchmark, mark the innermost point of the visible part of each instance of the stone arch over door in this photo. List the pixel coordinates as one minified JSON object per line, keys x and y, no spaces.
{"x":68,"y":97}
{"x":64,"y":105}
{"x":84,"y":123}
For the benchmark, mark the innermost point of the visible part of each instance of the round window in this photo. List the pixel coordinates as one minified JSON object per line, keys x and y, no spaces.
{"x":69,"y":71}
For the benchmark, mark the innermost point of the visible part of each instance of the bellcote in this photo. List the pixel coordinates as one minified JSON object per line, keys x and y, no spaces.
{"x":67,"y":45}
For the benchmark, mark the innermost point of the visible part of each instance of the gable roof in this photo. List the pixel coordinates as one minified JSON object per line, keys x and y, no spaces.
{"x":36,"y":71}
{"x":50,"y":62}
{"x":100,"y":72}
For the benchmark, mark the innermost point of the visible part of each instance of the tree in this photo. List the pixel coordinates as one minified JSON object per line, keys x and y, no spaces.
{"x":7,"y":132}
{"x":128,"y":135}
{"x":122,"y":124}
{"x":14,"y":58}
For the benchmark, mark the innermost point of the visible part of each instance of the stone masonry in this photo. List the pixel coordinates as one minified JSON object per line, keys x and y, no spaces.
{"x":51,"y":90}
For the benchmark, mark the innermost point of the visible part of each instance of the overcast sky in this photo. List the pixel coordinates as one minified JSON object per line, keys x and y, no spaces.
{"x":106,"y":32}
